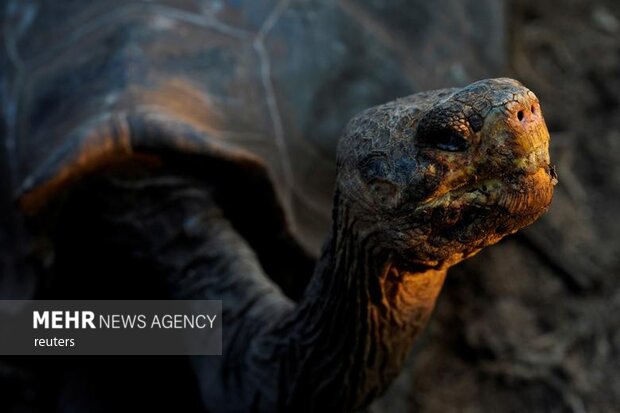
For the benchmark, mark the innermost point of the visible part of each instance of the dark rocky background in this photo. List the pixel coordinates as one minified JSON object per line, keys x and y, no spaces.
{"x":531,"y":324}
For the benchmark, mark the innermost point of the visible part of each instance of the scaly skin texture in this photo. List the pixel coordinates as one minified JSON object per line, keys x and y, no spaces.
{"x":423,"y":182}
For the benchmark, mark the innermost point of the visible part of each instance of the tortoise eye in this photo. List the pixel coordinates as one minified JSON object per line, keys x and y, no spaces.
{"x":448,"y":140}
{"x":447,"y":128}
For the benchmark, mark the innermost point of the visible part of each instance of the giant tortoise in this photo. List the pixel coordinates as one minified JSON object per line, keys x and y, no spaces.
{"x":195,"y":142}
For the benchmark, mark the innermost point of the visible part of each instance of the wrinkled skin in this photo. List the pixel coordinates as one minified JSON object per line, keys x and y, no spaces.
{"x":451,"y":177}
{"x":423,"y":182}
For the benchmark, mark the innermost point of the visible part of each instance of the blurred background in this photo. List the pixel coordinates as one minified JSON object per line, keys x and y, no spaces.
{"x":528,"y":325}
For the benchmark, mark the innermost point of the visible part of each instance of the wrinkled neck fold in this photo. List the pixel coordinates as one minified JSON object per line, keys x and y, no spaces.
{"x":353,"y":329}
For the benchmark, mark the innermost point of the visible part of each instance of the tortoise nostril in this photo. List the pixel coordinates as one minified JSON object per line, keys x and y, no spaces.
{"x":520,"y":115}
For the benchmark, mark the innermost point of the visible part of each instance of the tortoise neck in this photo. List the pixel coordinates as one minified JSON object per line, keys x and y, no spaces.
{"x":336,"y":350}
{"x":356,"y":322}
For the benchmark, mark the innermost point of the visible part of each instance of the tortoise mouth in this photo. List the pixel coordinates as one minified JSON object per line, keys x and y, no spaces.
{"x":462,"y":221}
{"x":527,"y":186}
{"x":525,"y":191}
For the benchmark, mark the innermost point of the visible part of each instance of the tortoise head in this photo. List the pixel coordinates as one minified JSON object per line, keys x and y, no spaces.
{"x":437,"y":176}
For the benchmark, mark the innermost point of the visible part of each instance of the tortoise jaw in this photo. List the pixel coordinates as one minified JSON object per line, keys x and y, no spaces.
{"x":530,"y":187}
{"x":529,"y":173}
{"x":461,"y":222}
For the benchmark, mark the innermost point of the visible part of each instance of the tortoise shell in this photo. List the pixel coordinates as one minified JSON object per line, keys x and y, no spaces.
{"x":253,"y":92}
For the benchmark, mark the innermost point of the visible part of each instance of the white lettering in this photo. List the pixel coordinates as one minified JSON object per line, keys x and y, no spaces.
{"x":75,"y":319}
{"x":57,"y":319}
{"x":88,"y":318}
{"x":40,"y":319}
{"x":63,"y":319}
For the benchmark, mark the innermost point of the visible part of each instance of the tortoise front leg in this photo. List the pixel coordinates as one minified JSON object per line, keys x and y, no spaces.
{"x":173,"y":226}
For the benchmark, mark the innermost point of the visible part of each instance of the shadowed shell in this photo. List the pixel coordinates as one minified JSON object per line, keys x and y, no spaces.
{"x":264,"y":87}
